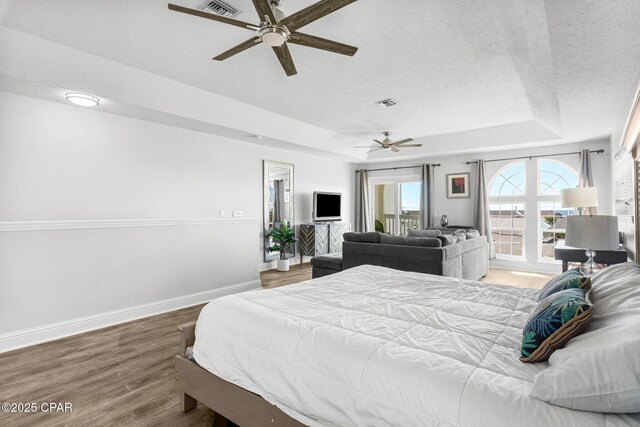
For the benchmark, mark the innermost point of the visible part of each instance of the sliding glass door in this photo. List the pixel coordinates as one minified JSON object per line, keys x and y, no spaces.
{"x":396,"y":206}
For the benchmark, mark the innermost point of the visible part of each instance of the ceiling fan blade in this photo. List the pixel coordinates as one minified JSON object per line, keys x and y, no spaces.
{"x":394,"y":149}
{"x":211,"y":16}
{"x":284,"y":56}
{"x":362,"y":146}
{"x":404,"y":141}
{"x":412,"y":145}
{"x":324,"y":44}
{"x":314,"y":12}
{"x":264,"y":9}
{"x":237,"y":49}
{"x":375,"y":149}
{"x":381,"y":143}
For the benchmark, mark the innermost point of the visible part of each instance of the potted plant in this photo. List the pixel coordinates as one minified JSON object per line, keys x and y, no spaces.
{"x":282,"y":236}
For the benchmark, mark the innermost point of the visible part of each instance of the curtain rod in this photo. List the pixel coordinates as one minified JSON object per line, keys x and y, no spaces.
{"x":400,"y":167}
{"x":600,"y":151}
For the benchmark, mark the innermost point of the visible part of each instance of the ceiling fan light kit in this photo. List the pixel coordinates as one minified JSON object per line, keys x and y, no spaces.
{"x":276,"y":29}
{"x":388,"y":144}
{"x":274,"y":35}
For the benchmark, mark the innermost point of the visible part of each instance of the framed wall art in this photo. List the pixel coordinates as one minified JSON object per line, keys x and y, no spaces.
{"x":458,"y":185}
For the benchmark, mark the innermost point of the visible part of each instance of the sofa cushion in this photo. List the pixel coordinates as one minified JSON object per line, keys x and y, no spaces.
{"x":447,"y":239}
{"x":429,"y":242}
{"x":461,"y":235}
{"x":369,"y":237}
{"x":423,"y":233}
{"x":472,"y":234}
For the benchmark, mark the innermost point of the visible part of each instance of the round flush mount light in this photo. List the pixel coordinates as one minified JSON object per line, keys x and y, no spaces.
{"x":274,"y":36}
{"x":82,"y":99}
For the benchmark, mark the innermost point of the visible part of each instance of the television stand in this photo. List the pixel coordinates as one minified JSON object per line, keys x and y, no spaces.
{"x":321,"y":238}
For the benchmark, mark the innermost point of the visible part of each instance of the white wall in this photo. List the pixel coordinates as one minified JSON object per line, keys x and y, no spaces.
{"x":104,"y":218}
{"x":460,"y":211}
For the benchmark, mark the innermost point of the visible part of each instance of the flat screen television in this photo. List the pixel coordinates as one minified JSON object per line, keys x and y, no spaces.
{"x":326,"y":206}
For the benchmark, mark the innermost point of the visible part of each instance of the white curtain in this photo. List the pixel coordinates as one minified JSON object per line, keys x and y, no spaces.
{"x":481,"y":212}
{"x":278,"y":201}
{"x":426,"y":197}
{"x":363,"y":209}
{"x":585,"y":177}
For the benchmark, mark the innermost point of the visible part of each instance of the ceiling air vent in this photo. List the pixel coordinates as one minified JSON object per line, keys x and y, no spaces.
{"x":387,"y":103}
{"x":218,"y":7}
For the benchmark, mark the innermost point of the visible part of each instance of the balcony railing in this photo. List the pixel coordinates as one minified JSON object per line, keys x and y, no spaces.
{"x":407,"y":221}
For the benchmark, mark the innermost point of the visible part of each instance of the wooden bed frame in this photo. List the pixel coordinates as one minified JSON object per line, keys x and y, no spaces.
{"x":229,"y":401}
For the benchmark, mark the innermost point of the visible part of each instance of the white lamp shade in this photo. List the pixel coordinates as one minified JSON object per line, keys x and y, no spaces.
{"x":592,"y":232}
{"x":581,"y":197}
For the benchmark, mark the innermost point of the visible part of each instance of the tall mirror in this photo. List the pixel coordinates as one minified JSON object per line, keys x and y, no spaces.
{"x":277,"y":204}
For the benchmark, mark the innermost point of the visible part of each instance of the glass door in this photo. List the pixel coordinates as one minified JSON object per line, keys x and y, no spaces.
{"x":397,"y":207}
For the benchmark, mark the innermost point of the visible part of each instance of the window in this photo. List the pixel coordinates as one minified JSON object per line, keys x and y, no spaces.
{"x":553,"y":176}
{"x":397,"y":206}
{"x":524,"y":202}
{"x":507,"y":192}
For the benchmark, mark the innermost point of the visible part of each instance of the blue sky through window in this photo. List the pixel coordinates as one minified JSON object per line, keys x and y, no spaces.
{"x":410,"y":193}
{"x":554,"y":177}
{"x":509,"y":182}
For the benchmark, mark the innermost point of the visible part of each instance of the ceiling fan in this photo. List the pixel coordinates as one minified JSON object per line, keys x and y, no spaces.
{"x":387,"y":143}
{"x":276,"y":30}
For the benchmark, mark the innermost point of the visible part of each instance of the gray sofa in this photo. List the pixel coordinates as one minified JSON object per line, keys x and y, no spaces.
{"x":461,"y":253}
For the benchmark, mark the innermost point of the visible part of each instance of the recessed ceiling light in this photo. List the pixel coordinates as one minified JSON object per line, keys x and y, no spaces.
{"x":82,"y":99}
{"x":387,"y":102}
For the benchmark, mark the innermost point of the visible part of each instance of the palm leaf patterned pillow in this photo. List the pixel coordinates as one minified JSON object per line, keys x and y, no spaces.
{"x":557,"y":318}
{"x":567,"y":280}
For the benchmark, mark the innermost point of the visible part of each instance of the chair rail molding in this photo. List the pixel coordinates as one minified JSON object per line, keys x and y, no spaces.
{"x":11,"y":226}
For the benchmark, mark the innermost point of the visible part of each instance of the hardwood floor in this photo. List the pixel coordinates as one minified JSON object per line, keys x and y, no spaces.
{"x":117,"y":376}
{"x":124,"y":375}
{"x":296,"y":274}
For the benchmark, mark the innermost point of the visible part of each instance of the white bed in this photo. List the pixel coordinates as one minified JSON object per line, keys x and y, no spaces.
{"x":373,"y":346}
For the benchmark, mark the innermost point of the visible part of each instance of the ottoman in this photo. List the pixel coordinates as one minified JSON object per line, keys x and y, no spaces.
{"x":323,"y":265}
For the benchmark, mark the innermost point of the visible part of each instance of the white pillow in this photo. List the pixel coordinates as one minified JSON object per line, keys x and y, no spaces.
{"x":599,"y":371}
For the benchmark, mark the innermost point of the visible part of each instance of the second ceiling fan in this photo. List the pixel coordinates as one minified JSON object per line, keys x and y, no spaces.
{"x":276,"y":30}
{"x":388,"y":144}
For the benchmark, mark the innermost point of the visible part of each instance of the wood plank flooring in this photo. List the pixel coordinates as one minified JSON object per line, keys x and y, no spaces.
{"x":124,"y":375}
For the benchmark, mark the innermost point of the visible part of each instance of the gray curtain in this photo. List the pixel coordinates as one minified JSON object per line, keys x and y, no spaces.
{"x":426,"y":197}
{"x":585,"y":177}
{"x":278,"y":201}
{"x":363,"y":209}
{"x":481,"y":214}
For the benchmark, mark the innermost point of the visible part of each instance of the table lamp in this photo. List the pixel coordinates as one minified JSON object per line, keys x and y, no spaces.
{"x":580,"y":197}
{"x":592,"y":232}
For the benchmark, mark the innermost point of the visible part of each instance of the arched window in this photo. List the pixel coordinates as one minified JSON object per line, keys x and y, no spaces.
{"x":553,"y":176}
{"x":529,"y":192}
{"x":507,"y":196}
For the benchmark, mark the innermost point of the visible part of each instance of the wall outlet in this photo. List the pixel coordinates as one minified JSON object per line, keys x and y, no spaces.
{"x":237,"y":214}
{"x":221,"y":213}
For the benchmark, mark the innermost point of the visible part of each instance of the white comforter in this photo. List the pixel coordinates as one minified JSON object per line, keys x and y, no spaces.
{"x":373,"y":346}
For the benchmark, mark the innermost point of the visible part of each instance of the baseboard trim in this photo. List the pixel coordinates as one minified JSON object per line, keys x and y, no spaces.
{"x":552,"y":268}
{"x":8,"y":226}
{"x":55,"y":331}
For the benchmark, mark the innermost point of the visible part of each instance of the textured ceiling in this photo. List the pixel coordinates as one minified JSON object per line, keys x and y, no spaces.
{"x":468,"y":74}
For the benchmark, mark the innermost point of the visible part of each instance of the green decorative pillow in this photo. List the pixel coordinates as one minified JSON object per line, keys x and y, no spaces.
{"x":568,"y":280}
{"x":557,"y":318}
